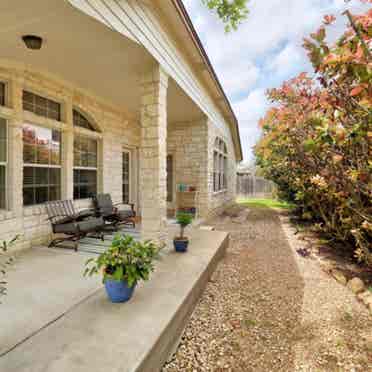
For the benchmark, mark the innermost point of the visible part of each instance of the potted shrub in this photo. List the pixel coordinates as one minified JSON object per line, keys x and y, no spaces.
{"x":123,"y":265}
{"x":181,"y":242}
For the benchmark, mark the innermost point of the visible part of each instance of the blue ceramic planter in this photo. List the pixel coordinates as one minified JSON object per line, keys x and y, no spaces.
{"x":180,"y":245}
{"x":118,"y":291}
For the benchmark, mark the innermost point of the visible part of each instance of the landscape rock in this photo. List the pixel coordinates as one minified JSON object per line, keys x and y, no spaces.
{"x":356,"y":285}
{"x":241,"y":217}
{"x":339,"y":276}
{"x":263,"y":312}
{"x":363,"y":295}
{"x":368,"y":342}
{"x":326,"y":266}
{"x":368,"y":300}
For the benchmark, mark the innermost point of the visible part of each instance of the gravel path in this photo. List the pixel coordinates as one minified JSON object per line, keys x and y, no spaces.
{"x":268,"y":309}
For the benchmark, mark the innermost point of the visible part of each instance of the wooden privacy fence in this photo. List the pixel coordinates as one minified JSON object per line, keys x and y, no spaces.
{"x":253,"y":186}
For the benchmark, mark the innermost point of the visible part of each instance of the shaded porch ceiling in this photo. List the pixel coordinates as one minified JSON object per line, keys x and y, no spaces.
{"x":83,"y":51}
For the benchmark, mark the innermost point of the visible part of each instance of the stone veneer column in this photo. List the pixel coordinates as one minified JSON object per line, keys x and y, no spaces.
{"x":15,"y":153}
{"x":153,"y":155}
{"x":204,"y":184}
{"x":67,"y":173}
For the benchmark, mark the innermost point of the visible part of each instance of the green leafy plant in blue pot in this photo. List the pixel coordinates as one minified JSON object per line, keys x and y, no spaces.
{"x":123,"y":265}
{"x":181,"y":242}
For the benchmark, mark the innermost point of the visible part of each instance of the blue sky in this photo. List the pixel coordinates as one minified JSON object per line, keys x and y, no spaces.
{"x":265,"y":51}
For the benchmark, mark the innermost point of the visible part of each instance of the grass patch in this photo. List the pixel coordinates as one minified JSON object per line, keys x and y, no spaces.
{"x":249,"y":323}
{"x":264,"y":203}
{"x":347,"y":317}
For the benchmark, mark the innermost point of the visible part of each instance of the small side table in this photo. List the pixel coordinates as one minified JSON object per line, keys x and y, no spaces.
{"x":187,"y":200}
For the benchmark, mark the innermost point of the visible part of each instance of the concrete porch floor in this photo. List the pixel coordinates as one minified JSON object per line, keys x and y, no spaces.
{"x":55,"y":320}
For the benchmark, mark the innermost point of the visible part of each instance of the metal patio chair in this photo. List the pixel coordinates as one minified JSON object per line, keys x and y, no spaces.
{"x":73,"y":225}
{"x":113,"y":216}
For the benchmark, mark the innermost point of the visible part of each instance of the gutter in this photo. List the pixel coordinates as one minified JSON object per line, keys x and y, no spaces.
{"x":182,"y":12}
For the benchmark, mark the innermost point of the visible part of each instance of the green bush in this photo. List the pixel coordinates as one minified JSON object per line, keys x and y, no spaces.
{"x":183,"y":219}
{"x":316,"y":144}
{"x":126,"y":259}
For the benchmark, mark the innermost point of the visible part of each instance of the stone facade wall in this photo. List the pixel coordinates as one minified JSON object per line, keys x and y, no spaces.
{"x":187,"y":143}
{"x":153,"y":175}
{"x":117,"y":132}
{"x":191,"y":145}
{"x":218,"y":201}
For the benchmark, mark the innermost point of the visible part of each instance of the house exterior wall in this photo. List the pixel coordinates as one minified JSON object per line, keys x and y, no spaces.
{"x":153,"y":175}
{"x":218,"y":201}
{"x":141,"y":22}
{"x":187,"y":143}
{"x":191,"y":144}
{"x":118,"y":132}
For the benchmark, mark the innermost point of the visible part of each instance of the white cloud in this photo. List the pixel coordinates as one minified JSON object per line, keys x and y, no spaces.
{"x":248,"y":111}
{"x":266,"y":49}
{"x":234,"y":82}
{"x":252,"y":106}
{"x":283,"y":64}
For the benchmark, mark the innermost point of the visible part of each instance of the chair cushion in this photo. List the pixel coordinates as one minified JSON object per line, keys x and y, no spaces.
{"x":85,"y":213}
{"x":61,"y":220}
{"x":66,"y":228}
{"x":90,"y":224}
{"x":125,"y":213}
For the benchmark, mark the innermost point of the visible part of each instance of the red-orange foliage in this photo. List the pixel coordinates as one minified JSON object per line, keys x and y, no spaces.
{"x":317,"y":138}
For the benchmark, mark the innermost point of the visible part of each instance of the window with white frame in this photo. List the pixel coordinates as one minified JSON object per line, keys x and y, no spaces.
{"x":81,"y":121}
{"x":126,"y":177}
{"x":85,"y":160}
{"x":41,"y":164}
{"x":3,"y":161}
{"x":219,"y":165}
{"x":41,"y":106}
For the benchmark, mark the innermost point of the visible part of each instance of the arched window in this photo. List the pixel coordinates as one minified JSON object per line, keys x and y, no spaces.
{"x":85,"y":158}
{"x":81,"y":121}
{"x":219,"y":165}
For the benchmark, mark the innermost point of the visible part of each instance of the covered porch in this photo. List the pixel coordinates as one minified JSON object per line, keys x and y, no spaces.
{"x":149,"y":136}
{"x":61,"y":321}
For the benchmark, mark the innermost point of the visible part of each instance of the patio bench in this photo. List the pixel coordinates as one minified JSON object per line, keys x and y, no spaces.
{"x":73,"y":225}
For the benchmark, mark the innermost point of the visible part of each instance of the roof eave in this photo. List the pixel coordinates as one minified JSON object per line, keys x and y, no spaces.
{"x":195,"y":38}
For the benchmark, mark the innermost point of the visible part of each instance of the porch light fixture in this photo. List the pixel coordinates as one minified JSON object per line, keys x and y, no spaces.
{"x":32,"y":41}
